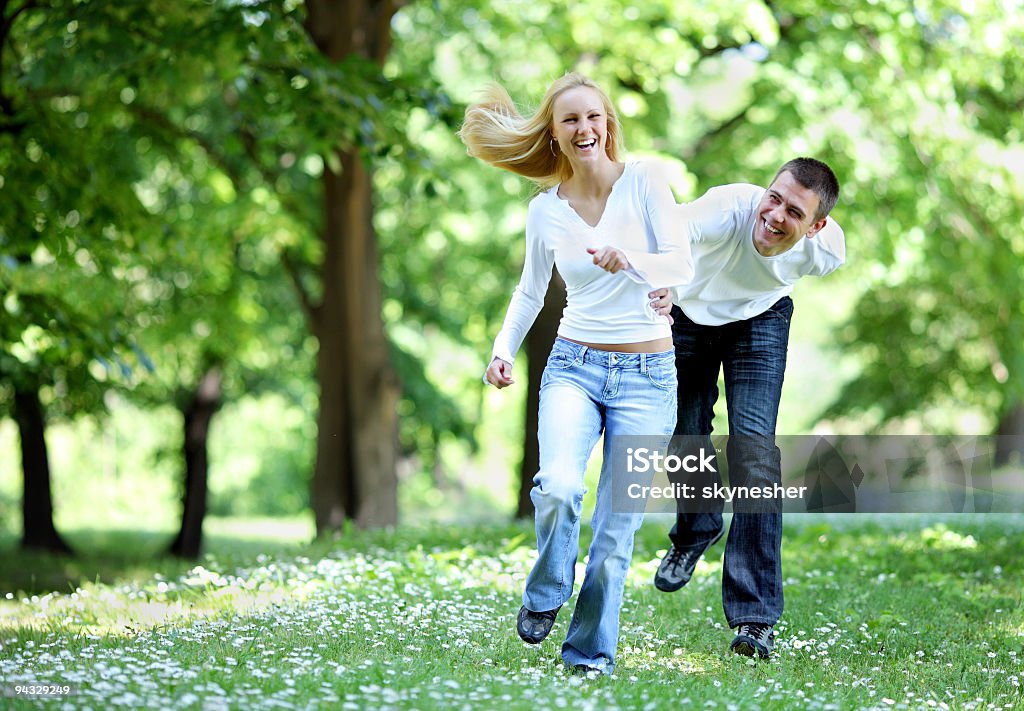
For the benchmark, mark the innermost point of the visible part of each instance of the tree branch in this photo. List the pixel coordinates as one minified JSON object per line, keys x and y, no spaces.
{"x":6,"y":104}
{"x":8,"y":22}
{"x":249,"y":143}
{"x":787,"y":25}
{"x":311,"y":309}
{"x":164,"y":124}
{"x":708,"y":138}
{"x":382,"y":12}
{"x":269,"y":177}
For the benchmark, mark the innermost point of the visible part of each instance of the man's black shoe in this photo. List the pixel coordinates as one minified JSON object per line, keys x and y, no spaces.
{"x":754,"y":637}
{"x":678,"y":565}
{"x":533,"y":627}
{"x":586,"y":670}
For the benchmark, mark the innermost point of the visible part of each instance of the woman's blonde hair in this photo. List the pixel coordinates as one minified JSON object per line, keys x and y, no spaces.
{"x":495,"y":132}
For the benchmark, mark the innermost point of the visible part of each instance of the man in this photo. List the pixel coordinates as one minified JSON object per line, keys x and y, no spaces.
{"x":750,"y":245}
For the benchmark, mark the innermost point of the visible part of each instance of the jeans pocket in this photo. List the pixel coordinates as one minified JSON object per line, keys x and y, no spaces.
{"x":663,"y":375}
{"x":783,"y":309}
{"x":559,"y":366}
{"x":560,"y":361}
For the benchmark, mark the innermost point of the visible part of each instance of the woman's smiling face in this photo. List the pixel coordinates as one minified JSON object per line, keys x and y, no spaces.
{"x":580,"y":125}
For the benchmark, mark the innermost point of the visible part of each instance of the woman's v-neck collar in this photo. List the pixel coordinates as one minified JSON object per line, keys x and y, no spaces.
{"x":607,"y":202}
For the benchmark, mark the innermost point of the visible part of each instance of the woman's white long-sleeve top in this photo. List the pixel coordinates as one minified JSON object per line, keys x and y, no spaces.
{"x":642,"y":220}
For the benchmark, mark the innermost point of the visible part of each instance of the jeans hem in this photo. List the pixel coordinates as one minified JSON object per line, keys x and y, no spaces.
{"x":702,"y":544}
{"x":528,"y":604}
{"x":755,"y":619}
{"x":573,"y":657}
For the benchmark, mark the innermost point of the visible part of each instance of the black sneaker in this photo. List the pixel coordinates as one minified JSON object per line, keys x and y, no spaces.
{"x":586,"y":670}
{"x":533,"y":627}
{"x":678,"y":565}
{"x":754,"y":637}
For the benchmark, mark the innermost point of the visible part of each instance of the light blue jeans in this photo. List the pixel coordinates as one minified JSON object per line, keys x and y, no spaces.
{"x":584,"y":392}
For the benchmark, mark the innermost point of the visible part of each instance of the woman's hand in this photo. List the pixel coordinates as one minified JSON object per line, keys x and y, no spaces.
{"x":608,"y":258}
{"x":661,"y":302}
{"x":499,"y":373}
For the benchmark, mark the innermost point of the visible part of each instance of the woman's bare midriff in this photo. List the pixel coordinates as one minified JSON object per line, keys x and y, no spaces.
{"x":658,"y":345}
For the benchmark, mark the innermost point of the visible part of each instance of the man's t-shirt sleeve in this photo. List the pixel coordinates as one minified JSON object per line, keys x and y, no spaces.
{"x":716,"y":215}
{"x":829,"y":251}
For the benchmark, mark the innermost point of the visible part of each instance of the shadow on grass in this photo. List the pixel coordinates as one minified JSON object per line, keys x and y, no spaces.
{"x":921,"y":547}
{"x":122,"y":556}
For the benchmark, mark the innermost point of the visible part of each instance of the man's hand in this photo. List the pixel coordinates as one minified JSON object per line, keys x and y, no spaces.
{"x":661,"y":302}
{"x":499,"y":373}
{"x":608,"y":258}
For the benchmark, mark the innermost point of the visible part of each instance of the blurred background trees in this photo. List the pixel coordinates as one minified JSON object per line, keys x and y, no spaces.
{"x":261,"y":209}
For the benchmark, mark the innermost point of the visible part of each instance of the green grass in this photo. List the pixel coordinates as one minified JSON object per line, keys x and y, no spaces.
{"x":883,"y":612}
{"x":119,"y":556}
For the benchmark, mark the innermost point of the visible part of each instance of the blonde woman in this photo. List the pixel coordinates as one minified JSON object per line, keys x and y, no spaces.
{"x":612,"y":229}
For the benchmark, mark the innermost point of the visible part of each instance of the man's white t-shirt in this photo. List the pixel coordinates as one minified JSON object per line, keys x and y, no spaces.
{"x":732,"y":281}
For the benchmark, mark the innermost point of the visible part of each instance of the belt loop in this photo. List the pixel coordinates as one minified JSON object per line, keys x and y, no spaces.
{"x":643,"y":363}
{"x":583,"y":354}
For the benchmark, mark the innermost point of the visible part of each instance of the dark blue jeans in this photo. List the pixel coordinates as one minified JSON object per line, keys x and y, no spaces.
{"x":752,"y":355}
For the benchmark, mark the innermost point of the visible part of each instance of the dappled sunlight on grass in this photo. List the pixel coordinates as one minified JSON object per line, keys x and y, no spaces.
{"x":940,"y":537}
{"x":119,"y":556}
{"x":117,"y":619}
{"x":125,"y":609}
{"x":260,"y":532}
{"x":425,"y":618}
{"x":676,"y":660}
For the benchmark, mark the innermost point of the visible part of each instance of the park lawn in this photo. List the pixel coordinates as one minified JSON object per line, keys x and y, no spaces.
{"x":882,"y":612}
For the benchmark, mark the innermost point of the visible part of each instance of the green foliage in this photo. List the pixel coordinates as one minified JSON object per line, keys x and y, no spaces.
{"x":931,"y":189}
{"x":160,"y":197}
{"x":198,"y":133}
{"x":261,"y":452}
{"x":917,"y":108}
{"x":67,"y":207}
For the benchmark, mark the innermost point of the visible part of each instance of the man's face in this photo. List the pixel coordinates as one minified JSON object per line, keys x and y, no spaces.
{"x":784,"y":216}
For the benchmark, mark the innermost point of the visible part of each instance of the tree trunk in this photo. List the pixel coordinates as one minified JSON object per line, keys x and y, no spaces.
{"x":357,"y":445}
{"x":1010,"y":435}
{"x":538,"y":346}
{"x":38,"y":531}
{"x":197,"y":417}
